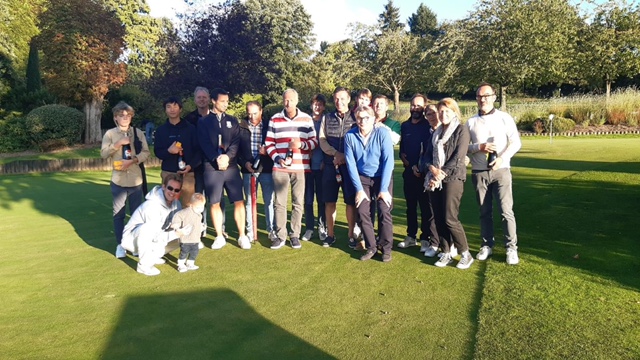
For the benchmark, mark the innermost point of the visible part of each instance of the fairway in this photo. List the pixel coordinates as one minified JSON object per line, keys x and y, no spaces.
{"x":574,"y":295}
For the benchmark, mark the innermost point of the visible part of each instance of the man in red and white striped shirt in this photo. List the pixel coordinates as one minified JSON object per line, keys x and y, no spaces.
{"x":290,"y":139}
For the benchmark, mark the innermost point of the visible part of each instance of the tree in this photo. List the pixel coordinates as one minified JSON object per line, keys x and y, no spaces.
{"x":610,"y":45}
{"x":256,"y":46}
{"x":18,"y":24}
{"x":34,"y":80}
{"x":82,"y":42}
{"x":389,"y":60}
{"x":142,"y":37}
{"x":516,"y":42}
{"x":334,"y":65}
{"x":423,"y":22}
{"x":389,"y":19}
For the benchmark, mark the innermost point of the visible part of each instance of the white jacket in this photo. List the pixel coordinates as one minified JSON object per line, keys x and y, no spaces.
{"x":156,"y":217}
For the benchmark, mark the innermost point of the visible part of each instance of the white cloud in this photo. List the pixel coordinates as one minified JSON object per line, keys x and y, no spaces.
{"x":166,"y":8}
{"x":332,"y":17}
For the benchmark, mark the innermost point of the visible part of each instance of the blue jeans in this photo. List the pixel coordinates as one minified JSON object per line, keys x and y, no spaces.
{"x":120,"y":196}
{"x":313,"y":187}
{"x":266,"y":183}
{"x":495,"y":184}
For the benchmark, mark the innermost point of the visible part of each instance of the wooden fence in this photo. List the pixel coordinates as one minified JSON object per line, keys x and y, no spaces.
{"x":63,"y":165}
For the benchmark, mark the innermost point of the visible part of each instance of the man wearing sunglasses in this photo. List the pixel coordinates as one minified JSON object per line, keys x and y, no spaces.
{"x":148,"y":230}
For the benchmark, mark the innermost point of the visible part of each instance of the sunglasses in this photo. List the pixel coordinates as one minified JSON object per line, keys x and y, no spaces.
{"x":171,"y":188}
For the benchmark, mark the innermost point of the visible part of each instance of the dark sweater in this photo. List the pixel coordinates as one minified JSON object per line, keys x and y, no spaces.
{"x":183,"y":132}
{"x":411,"y":138}
{"x":245,"y":146}
{"x":208,"y":131}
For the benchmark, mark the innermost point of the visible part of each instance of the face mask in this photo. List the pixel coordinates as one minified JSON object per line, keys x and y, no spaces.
{"x":198,"y":209}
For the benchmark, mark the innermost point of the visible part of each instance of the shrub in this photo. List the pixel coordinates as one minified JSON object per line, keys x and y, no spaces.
{"x":528,"y":119}
{"x":13,"y":133}
{"x":54,"y":126}
{"x":19,"y":99}
{"x":561,"y":124}
{"x":145,"y":105}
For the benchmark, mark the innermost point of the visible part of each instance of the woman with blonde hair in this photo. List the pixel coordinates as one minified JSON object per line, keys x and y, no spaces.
{"x":445,"y":180}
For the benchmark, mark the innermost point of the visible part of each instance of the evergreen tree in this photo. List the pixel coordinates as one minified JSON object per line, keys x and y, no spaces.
{"x":389,"y":19}
{"x":423,"y":22}
{"x":34,"y":81}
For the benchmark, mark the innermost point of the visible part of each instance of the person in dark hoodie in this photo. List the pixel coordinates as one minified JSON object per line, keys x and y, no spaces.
{"x":253,"y":133}
{"x":176,"y":144}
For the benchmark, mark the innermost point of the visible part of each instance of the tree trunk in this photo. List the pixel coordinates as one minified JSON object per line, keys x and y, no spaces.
{"x":503,"y":98}
{"x":608,"y":89}
{"x":396,"y":99}
{"x":92,"y":115}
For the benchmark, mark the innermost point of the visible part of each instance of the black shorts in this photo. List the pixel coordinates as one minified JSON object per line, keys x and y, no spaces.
{"x":331,"y":187}
{"x":215,"y":181}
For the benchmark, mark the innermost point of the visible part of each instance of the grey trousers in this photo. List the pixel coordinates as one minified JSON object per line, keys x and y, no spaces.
{"x":282,"y":182}
{"x":495,"y":184}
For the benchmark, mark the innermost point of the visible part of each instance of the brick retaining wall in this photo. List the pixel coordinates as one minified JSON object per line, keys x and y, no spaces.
{"x":63,"y":165}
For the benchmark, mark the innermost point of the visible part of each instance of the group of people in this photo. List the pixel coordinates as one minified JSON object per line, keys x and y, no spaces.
{"x":313,"y":157}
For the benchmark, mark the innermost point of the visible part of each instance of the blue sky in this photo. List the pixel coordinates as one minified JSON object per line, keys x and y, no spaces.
{"x":331,"y":17}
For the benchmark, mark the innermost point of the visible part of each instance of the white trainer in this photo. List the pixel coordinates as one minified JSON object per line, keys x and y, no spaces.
{"x":432,"y":251}
{"x":244,"y":242}
{"x":445,"y":260}
{"x":149,"y":271}
{"x":120,"y":252}
{"x":307,"y":235}
{"x":218,"y":243}
{"x":160,"y":261}
{"x":512,"y":257}
{"x":484,"y":253}
{"x":191,"y":265}
{"x":408,"y":242}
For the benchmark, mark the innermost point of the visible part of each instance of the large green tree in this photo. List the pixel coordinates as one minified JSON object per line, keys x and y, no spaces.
{"x":610,"y":44}
{"x":142,"y":38}
{"x":389,"y":19}
{"x":257,"y":46}
{"x":389,"y":60}
{"x":82,"y":42}
{"x":334,"y":65}
{"x":424,"y":22}
{"x":516,"y":42}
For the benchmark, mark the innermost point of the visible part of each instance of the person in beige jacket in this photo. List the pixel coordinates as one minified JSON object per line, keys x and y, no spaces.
{"x":118,"y":144}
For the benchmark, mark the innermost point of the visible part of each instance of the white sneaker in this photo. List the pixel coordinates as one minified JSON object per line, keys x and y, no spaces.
{"x":424,"y":245}
{"x":120,"y":252}
{"x":322,"y":233}
{"x":218,"y":243}
{"x":244,"y":242}
{"x":408,"y":242}
{"x":191,"y":265}
{"x":200,"y":245}
{"x":307,"y":235}
{"x":182,"y":268}
{"x":512,"y":257}
{"x":149,"y":271}
{"x":160,"y":261}
{"x":453,"y":251}
{"x":465,"y":261}
{"x":445,"y":260}
{"x":432,"y":251}
{"x":484,"y":253}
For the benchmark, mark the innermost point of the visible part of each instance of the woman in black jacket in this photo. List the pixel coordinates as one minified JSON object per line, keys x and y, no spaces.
{"x":445,"y":180}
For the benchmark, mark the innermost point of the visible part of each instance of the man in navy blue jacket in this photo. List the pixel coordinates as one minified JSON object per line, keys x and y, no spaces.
{"x":219,"y":139}
{"x":176,"y":142}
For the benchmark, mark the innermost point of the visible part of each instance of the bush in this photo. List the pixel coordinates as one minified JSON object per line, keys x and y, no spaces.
{"x":19,"y":99}
{"x":13,"y":133}
{"x":144,"y":105}
{"x":54,"y":126}
{"x":561,"y":124}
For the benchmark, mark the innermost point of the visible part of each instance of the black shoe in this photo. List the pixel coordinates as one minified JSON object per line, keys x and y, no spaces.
{"x":277,"y":244}
{"x":353,"y":243}
{"x":386,"y":257}
{"x":329,"y":241}
{"x":295,"y":243}
{"x":368,"y":255}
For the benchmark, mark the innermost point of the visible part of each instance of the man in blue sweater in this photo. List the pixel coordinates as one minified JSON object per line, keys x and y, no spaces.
{"x":369,"y":157}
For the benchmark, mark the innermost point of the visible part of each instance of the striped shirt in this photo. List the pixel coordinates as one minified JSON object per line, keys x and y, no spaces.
{"x":281,"y":130}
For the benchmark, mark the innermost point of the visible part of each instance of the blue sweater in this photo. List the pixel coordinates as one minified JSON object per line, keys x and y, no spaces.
{"x":375,"y":159}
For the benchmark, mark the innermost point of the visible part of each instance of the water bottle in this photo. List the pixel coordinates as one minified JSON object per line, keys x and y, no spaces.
{"x":257,"y":163}
{"x":181,"y":163}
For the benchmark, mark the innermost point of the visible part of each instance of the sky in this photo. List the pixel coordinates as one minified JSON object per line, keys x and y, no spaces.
{"x":331,"y":17}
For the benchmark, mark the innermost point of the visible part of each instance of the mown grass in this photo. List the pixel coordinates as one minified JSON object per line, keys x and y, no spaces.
{"x":66,"y":296}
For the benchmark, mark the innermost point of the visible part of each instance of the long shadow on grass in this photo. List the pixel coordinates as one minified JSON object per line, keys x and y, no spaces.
{"x":577,"y":166}
{"x":215,"y":324}
{"x":582,"y":223}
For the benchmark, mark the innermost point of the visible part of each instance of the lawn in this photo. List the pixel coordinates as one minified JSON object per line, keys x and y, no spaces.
{"x":575,"y":294}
